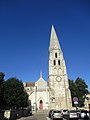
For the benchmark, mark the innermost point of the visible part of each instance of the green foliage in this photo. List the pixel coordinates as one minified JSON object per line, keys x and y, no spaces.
{"x":14,"y":94}
{"x":78,"y":89}
{"x":1,"y":77}
{"x":1,"y":89}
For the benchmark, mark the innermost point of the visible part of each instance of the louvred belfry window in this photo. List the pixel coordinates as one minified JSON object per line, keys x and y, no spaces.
{"x":58,"y":62}
{"x":54,"y":62}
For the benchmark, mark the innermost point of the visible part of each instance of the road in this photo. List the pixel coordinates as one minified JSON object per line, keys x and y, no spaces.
{"x":41,"y":115}
{"x":35,"y":117}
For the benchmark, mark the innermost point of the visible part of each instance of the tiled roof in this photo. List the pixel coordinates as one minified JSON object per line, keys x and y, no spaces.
{"x":32,"y":84}
{"x":29,"y":84}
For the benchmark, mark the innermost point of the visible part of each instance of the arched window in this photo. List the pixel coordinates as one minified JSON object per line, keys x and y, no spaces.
{"x":58,"y":62}
{"x":55,"y":55}
{"x":54,"y":62}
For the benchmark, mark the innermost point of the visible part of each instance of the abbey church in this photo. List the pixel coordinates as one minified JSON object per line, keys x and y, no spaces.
{"x":54,"y":93}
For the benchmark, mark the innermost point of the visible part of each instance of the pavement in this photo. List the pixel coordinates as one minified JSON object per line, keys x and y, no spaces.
{"x":37,"y":115}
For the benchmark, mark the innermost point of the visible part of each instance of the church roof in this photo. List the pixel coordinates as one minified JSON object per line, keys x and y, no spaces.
{"x":38,"y":82}
{"x":30,"y":84}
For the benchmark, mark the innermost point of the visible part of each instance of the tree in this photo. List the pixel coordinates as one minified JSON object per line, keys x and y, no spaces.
{"x":82,"y":90}
{"x":14,"y":94}
{"x":1,"y":77}
{"x":72,"y":87}
{"x":78,"y":89}
{"x":1,"y":89}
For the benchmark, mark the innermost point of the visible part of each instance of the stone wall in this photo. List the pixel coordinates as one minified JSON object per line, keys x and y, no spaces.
{"x":14,"y":114}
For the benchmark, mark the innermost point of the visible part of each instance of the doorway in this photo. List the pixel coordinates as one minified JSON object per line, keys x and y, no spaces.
{"x":41,"y":105}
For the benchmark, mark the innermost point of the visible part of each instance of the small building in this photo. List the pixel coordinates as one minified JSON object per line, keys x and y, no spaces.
{"x":38,"y":93}
{"x":87,"y":102}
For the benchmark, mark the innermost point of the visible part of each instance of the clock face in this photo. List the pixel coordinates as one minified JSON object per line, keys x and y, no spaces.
{"x":58,"y":79}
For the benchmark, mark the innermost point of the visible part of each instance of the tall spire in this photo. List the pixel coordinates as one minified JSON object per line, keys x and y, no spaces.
{"x":54,"y":42}
{"x":40,"y":74}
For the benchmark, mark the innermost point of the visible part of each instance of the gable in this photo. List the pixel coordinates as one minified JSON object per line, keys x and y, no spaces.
{"x":41,"y":84}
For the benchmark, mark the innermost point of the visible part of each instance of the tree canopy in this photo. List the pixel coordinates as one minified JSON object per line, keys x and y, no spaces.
{"x":14,"y":94}
{"x":1,"y":77}
{"x":1,"y":89}
{"x":78,"y":89}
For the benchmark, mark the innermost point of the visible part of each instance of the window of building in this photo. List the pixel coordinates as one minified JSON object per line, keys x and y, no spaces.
{"x":54,"y":62}
{"x":27,"y":88}
{"x":58,"y":62}
{"x":55,"y":55}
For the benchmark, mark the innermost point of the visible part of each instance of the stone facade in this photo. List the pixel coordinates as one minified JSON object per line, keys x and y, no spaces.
{"x":55,"y":93}
{"x":60,"y":96}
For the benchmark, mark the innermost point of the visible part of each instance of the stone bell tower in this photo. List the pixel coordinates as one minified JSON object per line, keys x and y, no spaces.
{"x":59,"y":93}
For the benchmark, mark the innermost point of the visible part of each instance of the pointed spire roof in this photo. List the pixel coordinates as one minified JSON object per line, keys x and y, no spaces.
{"x":40,"y":74}
{"x":54,"y":42}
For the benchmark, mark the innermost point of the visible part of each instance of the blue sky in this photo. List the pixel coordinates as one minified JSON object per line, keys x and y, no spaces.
{"x":25,"y":27}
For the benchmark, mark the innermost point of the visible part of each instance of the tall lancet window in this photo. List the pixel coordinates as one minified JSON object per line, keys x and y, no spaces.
{"x":55,"y":55}
{"x":58,"y":62}
{"x":54,"y":62}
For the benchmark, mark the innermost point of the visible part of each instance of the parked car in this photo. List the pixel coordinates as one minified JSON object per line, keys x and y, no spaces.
{"x":73,"y":114}
{"x":65,"y":113}
{"x":50,"y":113}
{"x":57,"y":114}
{"x":84,"y":114}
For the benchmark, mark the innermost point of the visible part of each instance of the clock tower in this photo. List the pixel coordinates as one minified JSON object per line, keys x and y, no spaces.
{"x":59,"y":93}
